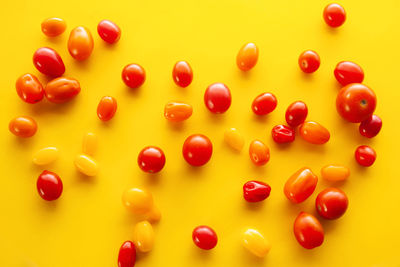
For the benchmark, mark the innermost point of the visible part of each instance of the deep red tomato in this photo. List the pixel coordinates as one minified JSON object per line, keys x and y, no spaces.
{"x":48,"y":62}
{"x":23,"y":126}
{"x":29,"y":89}
{"x":334,"y":15}
{"x":80,"y":43}
{"x":255,"y":191}
{"x":296,"y":113}
{"x":347,"y":72}
{"x":309,"y":61}
{"x":371,"y":126}
{"x":107,"y":108}
{"x":204,"y":237}
{"x":259,"y":153}
{"x":108,"y":31}
{"x":282,"y":134}
{"x":356,"y":102}
{"x":197,"y":150}
{"x":300,"y":185}
{"x":133,"y":75}
{"x":182,"y":74}
{"x":365,"y":155}
{"x":331,"y":203}
{"x":217,"y":98}
{"x":127,"y":255}
{"x":264,"y":103}
{"x":62,"y":89}
{"x":308,"y":231}
{"x":49,"y":185}
{"x":151,"y":159}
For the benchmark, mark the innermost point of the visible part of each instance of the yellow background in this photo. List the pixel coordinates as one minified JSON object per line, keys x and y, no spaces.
{"x":86,"y":226}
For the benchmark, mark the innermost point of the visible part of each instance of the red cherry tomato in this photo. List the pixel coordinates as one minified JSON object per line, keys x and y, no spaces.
{"x":247,"y":57}
{"x":371,"y":126}
{"x":300,"y":185}
{"x":108,"y":31}
{"x":127,"y":255}
{"x":204,"y":237}
{"x":197,"y":150}
{"x":255,"y":191}
{"x":334,"y":15}
{"x":48,"y":62}
{"x":62,"y":89}
{"x":347,"y":72}
{"x":107,"y":108}
{"x":308,"y":231}
{"x":309,"y":61}
{"x":331,"y":203}
{"x":23,"y":126}
{"x":365,"y":155}
{"x":29,"y":89}
{"x":217,"y":98}
{"x":264,"y":103}
{"x":282,"y":134}
{"x":259,"y":153}
{"x":355,"y":102}
{"x":296,"y":113}
{"x":151,"y":159}
{"x":80,"y":43}
{"x":182,"y":74}
{"x":52,"y":27}
{"x":49,"y":185}
{"x":133,"y":75}
{"x":314,"y":133}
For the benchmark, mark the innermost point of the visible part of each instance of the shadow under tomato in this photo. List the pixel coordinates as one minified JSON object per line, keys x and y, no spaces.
{"x":263,"y":119}
{"x":254,"y":206}
{"x":249,"y":258}
{"x":153,"y":179}
{"x":175,"y":126}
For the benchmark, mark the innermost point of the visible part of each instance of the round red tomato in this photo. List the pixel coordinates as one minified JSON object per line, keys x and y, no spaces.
{"x":48,"y":62}
{"x":282,"y":134}
{"x":127,"y":255}
{"x":106,"y":108}
{"x":182,"y":74}
{"x":217,"y":98}
{"x":133,"y":75}
{"x":334,"y":15}
{"x":347,"y":72}
{"x":309,"y":61}
{"x":255,"y":191}
{"x":197,"y":150}
{"x":49,"y":185}
{"x":204,"y":237}
{"x":264,"y":103}
{"x":296,"y":113}
{"x":331,"y":203}
{"x":365,"y":155}
{"x":308,"y":231}
{"x":29,"y":89}
{"x":151,"y":159}
{"x":371,"y":126}
{"x":109,"y":31}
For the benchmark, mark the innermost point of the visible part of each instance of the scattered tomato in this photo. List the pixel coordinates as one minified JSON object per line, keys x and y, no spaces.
{"x":62,"y":89}
{"x":29,"y":89}
{"x":314,"y":133}
{"x":133,"y":75}
{"x":300,"y":185}
{"x":247,"y":57}
{"x":296,"y":113}
{"x":48,"y":62}
{"x":151,"y":159}
{"x":309,"y":61}
{"x":264,"y":103}
{"x":106,"y":108}
{"x":331,"y":203}
{"x":347,"y":72}
{"x":371,"y":126}
{"x":197,"y":150}
{"x":204,"y":237}
{"x":282,"y":134}
{"x":217,"y":98}
{"x":308,"y":231}
{"x":335,"y":173}
{"x":259,"y":153}
{"x":52,"y":27}
{"x":80,"y":43}
{"x":182,"y":74}
{"x":177,"y":111}
{"x":365,"y":155}
{"x":255,"y":191}
{"x":108,"y":31}
{"x":127,"y":255}
{"x":49,"y":185}
{"x":334,"y":15}
{"x":23,"y":126}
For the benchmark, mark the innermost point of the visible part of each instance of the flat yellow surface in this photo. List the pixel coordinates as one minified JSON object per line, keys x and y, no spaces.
{"x":86,"y":226}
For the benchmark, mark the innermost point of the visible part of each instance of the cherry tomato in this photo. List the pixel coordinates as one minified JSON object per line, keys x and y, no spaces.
{"x":127,"y":255}
{"x":23,"y":126}
{"x":308,"y":231}
{"x":331,"y":203}
{"x":217,"y":98}
{"x":365,"y":155}
{"x":259,"y":153}
{"x":334,"y":15}
{"x":176,"y":111}
{"x":300,"y":185}
{"x":204,"y":237}
{"x":314,"y":133}
{"x":296,"y":113}
{"x":62,"y":89}
{"x":255,"y":191}
{"x":247,"y":57}
{"x":107,"y":108}
{"x":182,"y":74}
{"x":108,"y":31}
{"x":80,"y":43}
{"x":29,"y":89}
{"x":151,"y":159}
{"x":282,"y":134}
{"x":356,"y":102}
{"x":347,"y":72}
{"x":48,"y":62}
{"x":371,"y":126}
{"x":197,"y":150}
{"x":309,"y":61}
{"x":264,"y":103}
{"x":133,"y":75}
{"x":52,"y":27}
{"x":49,"y":185}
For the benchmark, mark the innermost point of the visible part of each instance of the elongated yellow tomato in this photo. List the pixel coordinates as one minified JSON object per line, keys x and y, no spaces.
{"x":256,"y":243}
{"x":86,"y":165}
{"x":89,"y":144}
{"x":335,"y":173}
{"x":138,"y":201}
{"x":234,"y":139}
{"x":314,"y":133}
{"x":80,"y":43}
{"x":177,"y":111}
{"x":247,"y":57}
{"x":45,"y":155}
{"x":143,"y":236}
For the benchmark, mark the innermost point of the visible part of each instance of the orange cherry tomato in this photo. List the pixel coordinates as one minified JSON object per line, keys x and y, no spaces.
{"x":52,"y":27}
{"x":62,"y":89}
{"x":182,"y":74}
{"x":29,"y":88}
{"x":177,"y":111}
{"x":80,"y":43}
{"x":247,"y":57}
{"x":23,"y":126}
{"x":314,"y":133}
{"x":133,"y":75}
{"x":259,"y":153}
{"x":107,"y":108}
{"x":308,"y":231}
{"x":300,"y":185}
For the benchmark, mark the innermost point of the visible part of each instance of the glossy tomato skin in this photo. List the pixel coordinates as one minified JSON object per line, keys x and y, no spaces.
{"x":177,"y":111}
{"x":309,"y":61}
{"x":80,"y":43}
{"x":331,"y":203}
{"x":371,"y":126}
{"x":217,"y":98}
{"x":355,"y":102}
{"x":365,"y":155}
{"x":106,"y":108}
{"x":334,"y":15}
{"x":61,"y":90}
{"x":296,"y":113}
{"x":52,"y":27}
{"x":283,"y":134}
{"x":256,"y":191}
{"x":127,"y":254}
{"x":259,"y":153}
{"x":49,"y":185}
{"x":197,"y":150}
{"x":264,"y":103}
{"x":308,"y":231}
{"x":347,"y":72}
{"x":300,"y":185}
{"x":314,"y":133}
{"x":151,"y":159}
{"x":23,"y":126}
{"x":133,"y":75}
{"x":48,"y":62}
{"x":108,"y":31}
{"x":182,"y":74}
{"x":247,"y":57}
{"x":29,"y":89}
{"x":204,"y":237}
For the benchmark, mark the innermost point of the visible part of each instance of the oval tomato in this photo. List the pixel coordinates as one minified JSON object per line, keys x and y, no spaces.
{"x":314,"y":133}
{"x":62,"y":89}
{"x":331,"y":203}
{"x":80,"y":43}
{"x":347,"y":72}
{"x":52,"y":27}
{"x":334,"y":15}
{"x":127,"y":254}
{"x":365,"y":155}
{"x":247,"y":57}
{"x":204,"y":237}
{"x":49,"y":185}
{"x":217,"y":98}
{"x":255,"y":191}
{"x":108,"y":31}
{"x":107,"y":108}
{"x":308,"y":231}
{"x":300,"y":185}
{"x":264,"y":103}
{"x":29,"y":89}
{"x":282,"y":134}
{"x":371,"y":126}
{"x":182,"y":74}
{"x":309,"y":61}
{"x":259,"y":153}
{"x":177,"y":111}
{"x":23,"y":126}
{"x":48,"y":62}
{"x":296,"y":113}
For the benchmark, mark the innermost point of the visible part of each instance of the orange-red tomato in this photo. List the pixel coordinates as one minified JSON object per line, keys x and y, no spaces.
{"x":247,"y":57}
{"x":108,"y":31}
{"x":182,"y":74}
{"x":80,"y":43}
{"x":62,"y":89}
{"x":334,"y":15}
{"x":314,"y":133}
{"x":259,"y":153}
{"x":309,"y":61}
{"x":331,"y":203}
{"x":300,"y":185}
{"x":133,"y":75}
{"x":52,"y":27}
{"x":106,"y":108}
{"x":29,"y":88}
{"x":177,"y":111}
{"x":308,"y":231}
{"x":23,"y":126}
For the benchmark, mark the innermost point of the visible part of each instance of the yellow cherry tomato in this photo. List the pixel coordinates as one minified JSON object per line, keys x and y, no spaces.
{"x":256,"y":243}
{"x":143,"y":236}
{"x":89,"y":144}
{"x":52,"y":27}
{"x":80,"y":43}
{"x":86,"y":165}
{"x":234,"y":139}
{"x":247,"y":57}
{"x":137,"y":200}
{"x":45,"y":155}
{"x":335,"y":173}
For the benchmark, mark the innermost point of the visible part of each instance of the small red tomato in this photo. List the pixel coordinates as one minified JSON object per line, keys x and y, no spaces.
{"x":204,"y":237}
{"x":255,"y":191}
{"x":296,"y":113}
{"x":107,"y":108}
{"x":314,"y":133}
{"x":355,"y":102}
{"x":127,"y":255}
{"x":365,"y":155}
{"x":49,"y":185}
{"x":264,"y":103}
{"x":217,"y":98}
{"x":48,"y":62}
{"x":133,"y":75}
{"x":308,"y":231}
{"x":347,"y":72}
{"x":151,"y":159}
{"x":23,"y":126}
{"x":108,"y":31}
{"x":259,"y":153}
{"x":331,"y":203}
{"x":29,"y":89}
{"x":197,"y":150}
{"x":182,"y":74}
{"x":334,"y":15}
{"x":300,"y":185}
{"x":282,"y":134}
{"x":247,"y":57}
{"x":52,"y":27}
{"x":371,"y":126}
{"x":309,"y":61}
{"x":80,"y":43}
{"x":62,"y":89}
